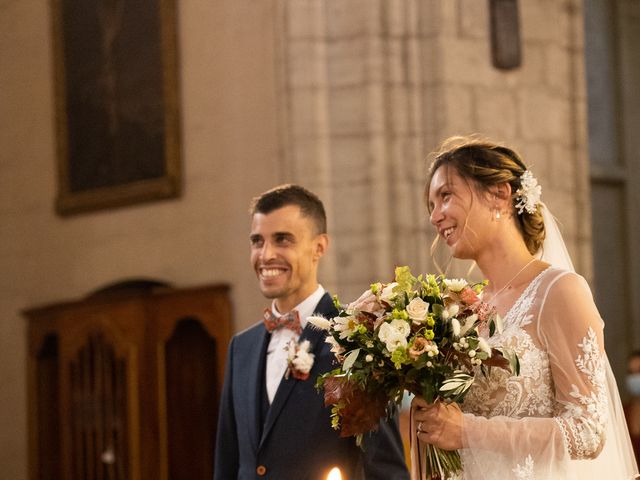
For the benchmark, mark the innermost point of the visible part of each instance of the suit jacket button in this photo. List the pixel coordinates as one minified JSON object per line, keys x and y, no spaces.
{"x":261,"y":470}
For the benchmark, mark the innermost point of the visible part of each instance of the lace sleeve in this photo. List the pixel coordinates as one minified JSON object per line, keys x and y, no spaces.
{"x":569,"y":329}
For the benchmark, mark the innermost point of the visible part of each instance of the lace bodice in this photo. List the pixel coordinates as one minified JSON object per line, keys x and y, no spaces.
{"x":556,"y":408}
{"x":528,"y":394}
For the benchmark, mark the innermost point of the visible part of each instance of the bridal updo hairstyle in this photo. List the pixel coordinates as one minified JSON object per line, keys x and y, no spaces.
{"x":486,"y":164}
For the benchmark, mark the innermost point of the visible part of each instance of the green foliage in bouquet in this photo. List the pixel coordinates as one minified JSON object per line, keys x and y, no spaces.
{"x":427,"y":335}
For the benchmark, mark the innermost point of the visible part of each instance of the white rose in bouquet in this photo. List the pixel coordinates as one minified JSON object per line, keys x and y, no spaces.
{"x":392,"y":336}
{"x":418,"y":310}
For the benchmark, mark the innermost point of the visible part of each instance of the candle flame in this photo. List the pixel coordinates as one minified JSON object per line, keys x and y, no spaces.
{"x":334,"y":474}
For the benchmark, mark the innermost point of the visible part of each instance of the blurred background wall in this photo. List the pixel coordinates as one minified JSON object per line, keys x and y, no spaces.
{"x":346,"y":97}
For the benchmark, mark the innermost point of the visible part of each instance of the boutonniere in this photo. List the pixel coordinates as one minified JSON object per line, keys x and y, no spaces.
{"x":299,"y":359}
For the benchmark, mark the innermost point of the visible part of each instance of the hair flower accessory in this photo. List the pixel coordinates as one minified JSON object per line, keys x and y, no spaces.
{"x":529,"y":193}
{"x":299,"y":359}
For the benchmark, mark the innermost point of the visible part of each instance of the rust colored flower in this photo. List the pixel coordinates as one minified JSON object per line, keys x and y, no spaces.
{"x":419,"y":347}
{"x":367,"y":319}
{"x":468,"y":296}
{"x":483,"y":310}
{"x":362,"y":411}
{"x":298,"y":375}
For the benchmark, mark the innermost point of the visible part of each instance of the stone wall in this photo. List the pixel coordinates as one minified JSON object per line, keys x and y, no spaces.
{"x":369,"y":87}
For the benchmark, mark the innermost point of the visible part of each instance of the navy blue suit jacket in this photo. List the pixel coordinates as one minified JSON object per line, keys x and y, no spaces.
{"x":295,"y":441}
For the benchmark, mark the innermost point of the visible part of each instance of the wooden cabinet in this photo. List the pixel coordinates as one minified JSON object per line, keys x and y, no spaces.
{"x":125,"y":384}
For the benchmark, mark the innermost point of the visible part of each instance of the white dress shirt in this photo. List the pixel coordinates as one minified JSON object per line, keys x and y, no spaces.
{"x":276,"y":351}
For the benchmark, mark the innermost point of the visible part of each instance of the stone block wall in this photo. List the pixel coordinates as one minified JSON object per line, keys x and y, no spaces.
{"x":369,"y":87}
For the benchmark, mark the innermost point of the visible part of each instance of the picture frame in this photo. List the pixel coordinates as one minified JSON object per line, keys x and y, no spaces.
{"x":117,"y":110}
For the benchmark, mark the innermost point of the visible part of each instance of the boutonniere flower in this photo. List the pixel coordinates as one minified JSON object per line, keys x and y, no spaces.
{"x":300,"y":360}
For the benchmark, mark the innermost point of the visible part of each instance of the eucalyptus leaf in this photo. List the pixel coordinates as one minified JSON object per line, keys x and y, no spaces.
{"x":350,"y":359}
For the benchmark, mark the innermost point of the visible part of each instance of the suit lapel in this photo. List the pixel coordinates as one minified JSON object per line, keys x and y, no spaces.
{"x":325,"y":307}
{"x":255,"y":383}
{"x":316,"y":339}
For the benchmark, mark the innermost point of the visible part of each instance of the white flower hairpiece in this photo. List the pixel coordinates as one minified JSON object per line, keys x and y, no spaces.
{"x":529,"y":193}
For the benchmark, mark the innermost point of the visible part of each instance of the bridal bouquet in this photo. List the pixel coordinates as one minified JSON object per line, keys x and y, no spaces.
{"x":421,"y":334}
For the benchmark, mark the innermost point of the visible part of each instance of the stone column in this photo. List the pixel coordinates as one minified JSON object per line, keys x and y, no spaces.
{"x":352,"y":124}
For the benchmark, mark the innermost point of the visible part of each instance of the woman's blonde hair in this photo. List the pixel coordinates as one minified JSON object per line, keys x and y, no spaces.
{"x":487,"y":164}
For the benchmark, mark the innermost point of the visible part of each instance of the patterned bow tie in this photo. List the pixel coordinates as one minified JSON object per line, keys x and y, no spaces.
{"x":289,"y":320}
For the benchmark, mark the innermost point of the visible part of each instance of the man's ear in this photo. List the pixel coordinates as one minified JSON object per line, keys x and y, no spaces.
{"x":321,"y":246}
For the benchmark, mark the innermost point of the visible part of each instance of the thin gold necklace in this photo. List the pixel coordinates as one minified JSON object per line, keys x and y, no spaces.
{"x":493,"y":297}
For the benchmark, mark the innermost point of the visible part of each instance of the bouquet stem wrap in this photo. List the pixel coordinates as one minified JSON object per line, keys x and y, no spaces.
{"x":429,"y":462}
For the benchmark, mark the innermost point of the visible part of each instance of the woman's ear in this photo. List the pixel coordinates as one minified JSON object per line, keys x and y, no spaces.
{"x":500,"y":199}
{"x":501,"y":191}
{"x":501,"y":194}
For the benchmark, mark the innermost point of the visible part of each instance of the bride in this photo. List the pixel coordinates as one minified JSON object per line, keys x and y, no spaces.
{"x":561,"y":418}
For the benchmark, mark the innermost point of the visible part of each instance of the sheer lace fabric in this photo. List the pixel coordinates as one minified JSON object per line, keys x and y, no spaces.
{"x":552,"y":420}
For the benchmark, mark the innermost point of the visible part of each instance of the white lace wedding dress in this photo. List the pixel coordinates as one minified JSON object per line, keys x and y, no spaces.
{"x":560,"y":418}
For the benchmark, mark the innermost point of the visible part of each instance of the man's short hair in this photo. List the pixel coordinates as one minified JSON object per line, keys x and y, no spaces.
{"x":289,"y":194}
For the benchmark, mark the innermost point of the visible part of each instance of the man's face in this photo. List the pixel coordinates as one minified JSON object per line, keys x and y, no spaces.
{"x":285,"y":251}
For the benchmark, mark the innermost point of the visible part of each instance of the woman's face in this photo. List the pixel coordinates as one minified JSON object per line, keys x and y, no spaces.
{"x":459,"y":212}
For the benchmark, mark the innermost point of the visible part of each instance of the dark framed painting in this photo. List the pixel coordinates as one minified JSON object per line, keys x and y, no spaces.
{"x":117,"y":112}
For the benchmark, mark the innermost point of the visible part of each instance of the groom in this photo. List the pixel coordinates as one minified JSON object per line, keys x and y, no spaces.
{"x":272,"y":421}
